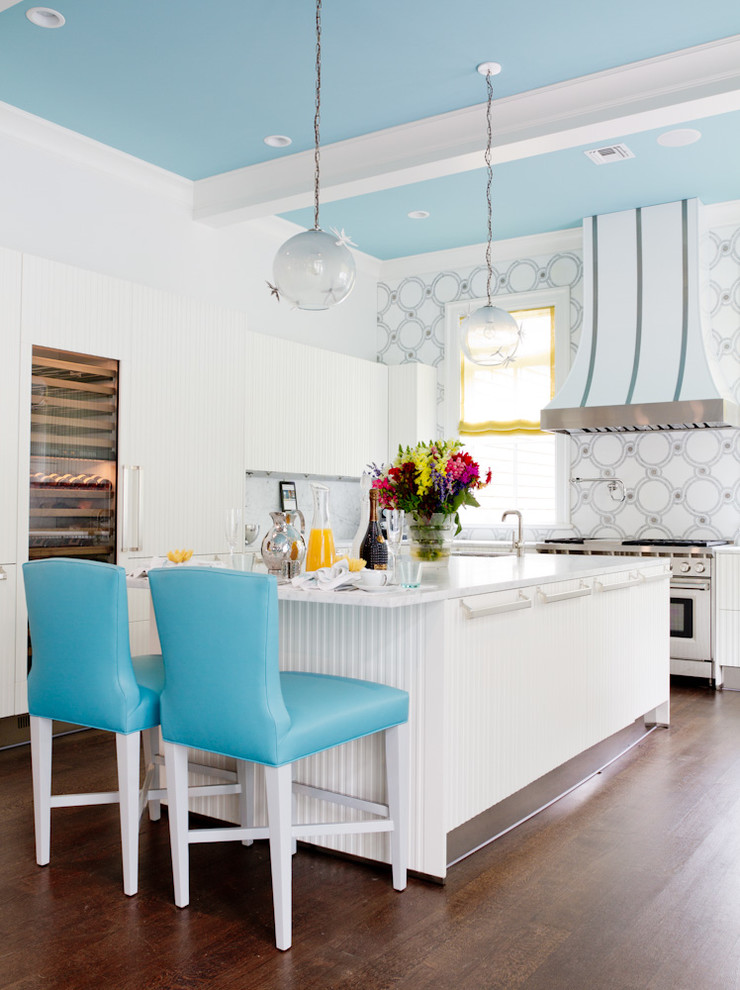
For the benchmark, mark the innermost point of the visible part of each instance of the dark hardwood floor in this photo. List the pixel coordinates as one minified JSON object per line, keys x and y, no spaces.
{"x":632,"y":881}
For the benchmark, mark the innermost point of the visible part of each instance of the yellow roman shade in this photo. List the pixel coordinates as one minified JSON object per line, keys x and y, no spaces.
{"x":508,"y":399}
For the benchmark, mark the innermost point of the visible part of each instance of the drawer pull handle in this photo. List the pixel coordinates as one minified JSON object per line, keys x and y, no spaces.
{"x":564,"y":596}
{"x":3,"y":575}
{"x":634,"y":579}
{"x":647,"y":578}
{"x":476,"y":613}
{"x":132,"y":508}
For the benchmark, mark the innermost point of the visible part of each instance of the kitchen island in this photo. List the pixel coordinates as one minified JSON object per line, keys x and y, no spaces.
{"x":515,"y":667}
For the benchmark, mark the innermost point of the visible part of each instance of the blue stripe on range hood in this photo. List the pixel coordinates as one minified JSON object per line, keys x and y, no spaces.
{"x":642,"y":363}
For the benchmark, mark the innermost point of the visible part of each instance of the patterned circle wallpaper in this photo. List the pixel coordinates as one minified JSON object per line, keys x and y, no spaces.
{"x":680,"y":485}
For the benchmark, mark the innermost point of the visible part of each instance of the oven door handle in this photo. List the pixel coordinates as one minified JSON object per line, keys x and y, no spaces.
{"x":690,"y":586}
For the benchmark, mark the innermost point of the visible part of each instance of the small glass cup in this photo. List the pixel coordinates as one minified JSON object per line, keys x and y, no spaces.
{"x":409,"y":572}
{"x":394,"y":520}
{"x":232,"y":528}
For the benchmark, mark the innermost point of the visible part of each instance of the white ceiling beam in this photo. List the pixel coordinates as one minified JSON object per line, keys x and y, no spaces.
{"x":658,"y":92}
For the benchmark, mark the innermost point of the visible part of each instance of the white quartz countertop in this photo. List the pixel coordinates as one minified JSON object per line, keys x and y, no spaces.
{"x":482,"y":575}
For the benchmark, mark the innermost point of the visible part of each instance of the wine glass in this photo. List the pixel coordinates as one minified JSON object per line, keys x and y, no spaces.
{"x":232,"y":527}
{"x":394,"y":520}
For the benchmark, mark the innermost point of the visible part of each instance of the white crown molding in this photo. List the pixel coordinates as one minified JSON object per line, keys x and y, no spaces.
{"x":7,"y":4}
{"x":64,"y":143}
{"x":722,"y":214}
{"x":464,"y":258}
{"x":663,"y":91}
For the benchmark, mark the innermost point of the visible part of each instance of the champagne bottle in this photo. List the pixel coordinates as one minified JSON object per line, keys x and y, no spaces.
{"x":374,"y":549}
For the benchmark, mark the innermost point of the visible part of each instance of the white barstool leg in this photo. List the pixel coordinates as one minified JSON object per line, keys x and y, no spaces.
{"x":150,"y":738}
{"x":279,"y":781}
{"x":176,"y":767}
{"x":41,"y":773}
{"x":294,"y":819}
{"x":397,"y":769}
{"x":127,"y":752}
{"x":245,"y":776}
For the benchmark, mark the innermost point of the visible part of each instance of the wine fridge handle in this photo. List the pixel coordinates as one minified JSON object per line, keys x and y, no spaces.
{"x":133,"y":508}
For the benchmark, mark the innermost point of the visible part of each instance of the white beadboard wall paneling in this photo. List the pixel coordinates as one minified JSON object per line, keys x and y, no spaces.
{"x":10,"y":335}
{"x":74,"y":309}
{"x":8,"y":591}
{"x":392,"y":646}
{"x":377,"y":645}
{"x":182,"y":418}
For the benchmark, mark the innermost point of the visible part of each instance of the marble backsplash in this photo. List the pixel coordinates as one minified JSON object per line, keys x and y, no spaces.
{"x":262,"y":496}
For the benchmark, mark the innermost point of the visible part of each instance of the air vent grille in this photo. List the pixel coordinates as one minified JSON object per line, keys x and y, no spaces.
{"x":609,"y":153}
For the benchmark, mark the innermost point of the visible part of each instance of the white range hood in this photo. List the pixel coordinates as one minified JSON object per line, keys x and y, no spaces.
{"x":642,"y":363}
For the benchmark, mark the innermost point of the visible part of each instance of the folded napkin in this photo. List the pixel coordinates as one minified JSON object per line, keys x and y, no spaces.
{"x":336,"y":578}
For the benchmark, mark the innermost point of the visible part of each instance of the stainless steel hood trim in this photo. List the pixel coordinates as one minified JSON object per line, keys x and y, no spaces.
{"x":643,"y":417}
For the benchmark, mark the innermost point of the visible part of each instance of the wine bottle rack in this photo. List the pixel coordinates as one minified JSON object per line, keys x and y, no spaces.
{"x":74,"y":402}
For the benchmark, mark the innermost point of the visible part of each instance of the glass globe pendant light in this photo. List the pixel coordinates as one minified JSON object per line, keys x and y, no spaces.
{"x":314,"y":269}
{"x":490,"y":335}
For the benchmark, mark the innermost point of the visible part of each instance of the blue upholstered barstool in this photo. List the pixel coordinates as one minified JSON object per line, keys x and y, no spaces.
{"x":224,"y":694}
{"x":82,"y":672}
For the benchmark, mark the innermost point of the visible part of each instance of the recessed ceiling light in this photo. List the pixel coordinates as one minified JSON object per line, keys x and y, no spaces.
{"x":679,"y":137}
{"x":45,"y":17}
{"x":418,"y":215}
{"x":278,"y":140}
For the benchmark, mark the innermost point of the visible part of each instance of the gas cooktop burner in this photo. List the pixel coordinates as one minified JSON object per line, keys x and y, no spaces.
{"x":649,"y":542}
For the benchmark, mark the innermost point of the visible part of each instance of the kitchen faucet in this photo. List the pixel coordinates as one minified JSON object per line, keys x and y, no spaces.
{"x":517,"y":540}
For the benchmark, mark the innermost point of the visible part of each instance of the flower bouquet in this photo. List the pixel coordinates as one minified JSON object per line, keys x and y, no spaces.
{"x":430,"y":482}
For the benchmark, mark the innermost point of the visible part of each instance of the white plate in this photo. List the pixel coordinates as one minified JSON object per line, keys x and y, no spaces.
{"x":384,"y":589}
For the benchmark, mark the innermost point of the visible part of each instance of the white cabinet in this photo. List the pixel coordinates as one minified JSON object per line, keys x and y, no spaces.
{"x":312,"y":411}
{"x":10,"y":333}
{"x":412,"y":405}
{"x":727,"y":609}
{"x":8,"y":592}
{"x":537,"y":676}
{"x":182,"y":423}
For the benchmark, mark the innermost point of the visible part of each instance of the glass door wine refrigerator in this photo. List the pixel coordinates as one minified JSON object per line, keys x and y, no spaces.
{"x":74,"y":407}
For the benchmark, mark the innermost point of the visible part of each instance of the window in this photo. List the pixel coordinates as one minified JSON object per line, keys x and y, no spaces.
{"x":495,"y":411}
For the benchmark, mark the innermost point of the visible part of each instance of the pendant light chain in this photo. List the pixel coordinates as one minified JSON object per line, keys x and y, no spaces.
{"x":489,"y":183}
{"x":317,"y":120}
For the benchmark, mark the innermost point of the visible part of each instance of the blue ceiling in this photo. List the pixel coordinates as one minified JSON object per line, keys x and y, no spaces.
{"x":194,"y":88}
{"x":538,"y":194}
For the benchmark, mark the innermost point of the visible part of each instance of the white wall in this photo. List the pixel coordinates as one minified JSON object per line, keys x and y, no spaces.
{"x":72,"y":200}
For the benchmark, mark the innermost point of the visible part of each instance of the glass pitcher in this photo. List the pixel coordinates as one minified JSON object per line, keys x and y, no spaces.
{"x":320,"y":551}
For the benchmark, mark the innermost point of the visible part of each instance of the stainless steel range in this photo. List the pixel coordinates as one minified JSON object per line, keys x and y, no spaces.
{"x":692,"y":633}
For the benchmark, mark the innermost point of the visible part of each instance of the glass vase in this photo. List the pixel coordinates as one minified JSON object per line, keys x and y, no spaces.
{"x":431,"y":538}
